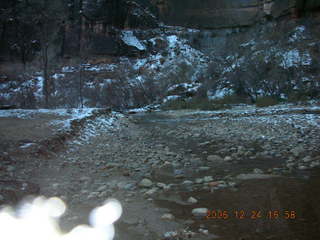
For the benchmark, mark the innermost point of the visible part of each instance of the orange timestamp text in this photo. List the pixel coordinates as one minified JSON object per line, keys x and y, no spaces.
{"x":253,"y":214}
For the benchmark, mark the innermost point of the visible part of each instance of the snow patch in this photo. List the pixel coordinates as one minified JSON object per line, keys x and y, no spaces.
{"x":171,"y":98}
{"x":107,"y":67}
{"x":128,"y":37}
{"x":219,"y":93}
{"x":97,"y":127}
{"x":173,"y":41}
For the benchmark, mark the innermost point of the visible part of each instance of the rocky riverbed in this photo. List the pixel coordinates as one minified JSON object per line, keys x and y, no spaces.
{"x":243,"y":173}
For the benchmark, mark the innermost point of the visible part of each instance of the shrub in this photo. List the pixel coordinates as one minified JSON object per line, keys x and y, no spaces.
{"x":298,"y":97}
{"x":194,"y":103}
{"x":231,"y":99}
{"x":266,"y":101}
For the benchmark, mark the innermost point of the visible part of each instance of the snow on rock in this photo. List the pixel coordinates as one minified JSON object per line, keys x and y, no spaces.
{"x":171,"y":98}
{"x":57,"y":76}
{"x":236,"y":62}
{"x":71,"y":114}
{"x":130,"y":39}
{"x":247,"y":44}
{"x":139,"y":63}
{"x":6,"y":96}
{"x":98,"y":68}
{"x":219,"y":93}
{"x":4,"y":86}
{"x":12,"y":89}
{"x":183,"y":88}
{"x":173,"y":41}
{"x":298,"y":34}
{"x":107,"y":81}
{"x":68,"y":69}
{"x":138,"y":80}
{"x":40,"y":83}
{"x":293,"y":58}
{"x":176,"y":53}
{"x":89,"y":85}
{"x":139,"y":110}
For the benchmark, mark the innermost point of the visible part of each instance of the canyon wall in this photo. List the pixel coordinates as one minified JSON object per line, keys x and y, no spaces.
{"x":227,"y":13}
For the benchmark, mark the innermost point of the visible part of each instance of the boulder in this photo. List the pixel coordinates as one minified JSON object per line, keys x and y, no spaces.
{"x":251,"y":176}
{"x":145,"y":183}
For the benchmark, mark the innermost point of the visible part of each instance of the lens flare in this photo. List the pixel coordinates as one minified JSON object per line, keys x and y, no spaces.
{"x":38,"y":220}
{"x":106,"y":214}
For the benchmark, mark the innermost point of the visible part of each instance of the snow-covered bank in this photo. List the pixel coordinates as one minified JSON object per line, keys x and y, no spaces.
{"x":45,"y":131}
{"x":73,"y":113}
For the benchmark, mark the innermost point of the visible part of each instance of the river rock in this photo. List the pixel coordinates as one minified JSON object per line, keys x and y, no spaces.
{"x":187,"y":182}
{"x":208,"y":179}
{"x":214,"y":158}
{"x":297,"y":151}
{"x":257,"y":171}
{"x":213,"y":184}
{"x":315,"y":164}
{"x":204,"y":168}
{"x":290,"y":165}
{"x":199,"y":180}
{"x":151,"y":191}
{"x":302,"y":167}
{"x":200,"y":212}
{"x":307,"y":159}
{"x":102,"y":188}
{"x":192,"y":200}
{"x":167,"y":216}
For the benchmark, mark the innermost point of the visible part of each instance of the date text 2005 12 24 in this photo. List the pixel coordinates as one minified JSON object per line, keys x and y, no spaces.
{"x":253,"y":214}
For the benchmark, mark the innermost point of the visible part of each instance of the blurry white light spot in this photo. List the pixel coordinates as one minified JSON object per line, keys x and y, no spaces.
{"x":106,"y":214}
{"x":38,"y":220}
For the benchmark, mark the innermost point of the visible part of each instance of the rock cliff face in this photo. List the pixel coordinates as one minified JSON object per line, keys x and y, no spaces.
{"x":212,"y":48}
{"x":227,"y":13}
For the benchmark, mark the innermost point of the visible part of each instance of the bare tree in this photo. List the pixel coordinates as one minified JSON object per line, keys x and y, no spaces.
{"x":49,"y":20}
{"x":80,"y":52}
